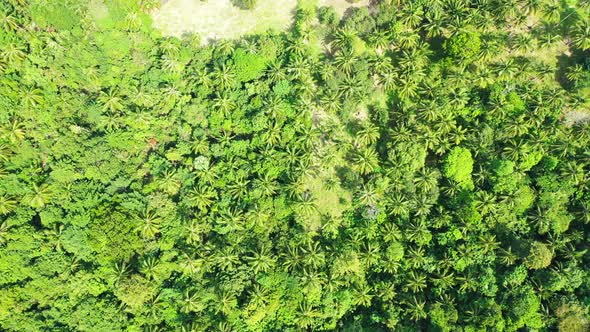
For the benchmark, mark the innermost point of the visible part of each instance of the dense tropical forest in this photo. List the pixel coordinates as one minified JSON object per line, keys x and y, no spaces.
{"x":415,"y":165}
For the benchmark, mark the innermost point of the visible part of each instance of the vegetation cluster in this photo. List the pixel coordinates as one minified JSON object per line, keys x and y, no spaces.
{"x":419,"y":166}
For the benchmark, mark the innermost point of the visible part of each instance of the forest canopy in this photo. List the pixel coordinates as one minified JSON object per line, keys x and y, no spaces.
{"x":410,"y":166}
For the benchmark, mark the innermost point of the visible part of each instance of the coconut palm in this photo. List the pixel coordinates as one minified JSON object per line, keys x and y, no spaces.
{"x":365,"y":160}
{"x":345,"y":61}
{"x":415,"y":309}
{"x":31,"y":97}
{"x":202,"y":197}
{"x":4,"y":232}
{"x":8,"y":22}
{"x":12,"y":53}
{"x":581,"y":35}
{"x":223,"y":77}
{"x":40,"y":196}
{"x":149,"y":224}
{"x":7,"y":204}
{"x":261,"y":260}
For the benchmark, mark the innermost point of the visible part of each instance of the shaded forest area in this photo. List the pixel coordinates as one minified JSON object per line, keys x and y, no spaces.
{"x":423,"y":166}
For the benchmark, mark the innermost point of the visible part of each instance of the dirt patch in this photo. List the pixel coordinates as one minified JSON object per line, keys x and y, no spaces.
{"x":219,"y":19}
{"x":577,"y":118}
{"x":342,"y":5}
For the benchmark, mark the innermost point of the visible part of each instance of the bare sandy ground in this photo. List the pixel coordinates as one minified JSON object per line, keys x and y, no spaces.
{"x":219,"y":19}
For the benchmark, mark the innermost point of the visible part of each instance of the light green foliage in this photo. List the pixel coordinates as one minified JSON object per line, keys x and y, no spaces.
{"x":248,"y":66}
{"x":540,"y":256}
{"x":524,"y":310}
{"x":458,"y":166}
{"x":443,"y":318}
{"x":464,"y":45}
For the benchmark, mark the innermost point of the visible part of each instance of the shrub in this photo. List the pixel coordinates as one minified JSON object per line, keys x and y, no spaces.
{"x":463,"y":45}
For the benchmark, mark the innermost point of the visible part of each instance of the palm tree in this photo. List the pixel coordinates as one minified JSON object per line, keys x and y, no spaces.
{"x":40,"y":196}
{"x":223,"y":77}
{"x":194,"y":231}
{"x":267,"y":185}
{"x":169,"y":183}
{"x":488,"y":243}
{"x":8,"y":22}
{"x":224,"y":103}
{"x":468,"y":283}
{"x":415,"y":309}
{"x":444,"y":281}
{"x":110,"y":101}
{"x":7,"y":204}
{"x":415,"y":282}
{"x":362,"y":296}
{"x":416,"y":258}
{"x":202,"y":197}
{"x":313,"y":255}
{"x":549,"y":35}
{"x":298,"y":48}
{"x":422,"y":205}
{"x":427,"y":179}
{"x":407,"y":39}
{"x":31,"y":97}
{"x":398,"y":205}
{"x":391,"y":232}
{"x":305,"y":315}
{"x":575,"y":73}
{"x":149,"y":266}
{"x":342,"y":39}
{"x":407,"y":89}
{"x":191,"y":302}
{"x":485,"y":202}
{"x":13,"y":53}
{"x":523,"y":42}
{"x":261,"y":260}
{"x":345,"y":61}
{"x":298,"y":67}
{"x":226,"y":259}
{"x":368,"y":135}
{"x":365,"y":160}
{"x":229,"y":220}
{"x":412,"y":14}
{"x":367,"y":196}
{"x":149,"y":224}
{"x":507,"y":257}
{"x":581,"y":35}
{"x":291,"y":258}
{"x":259,"y":295}
{"x":169,"y":46}
{"x":4,"y":232}
{"x":119,"y":272}
{"x":434,"y":25}
{"x":275,"y":72}
{"x":224,"y":302}
{"x":379,"y":40}
{"x":224,"y":47}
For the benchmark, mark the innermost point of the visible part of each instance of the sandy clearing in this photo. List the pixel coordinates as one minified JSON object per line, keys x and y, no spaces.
{"x":219,"y":19}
